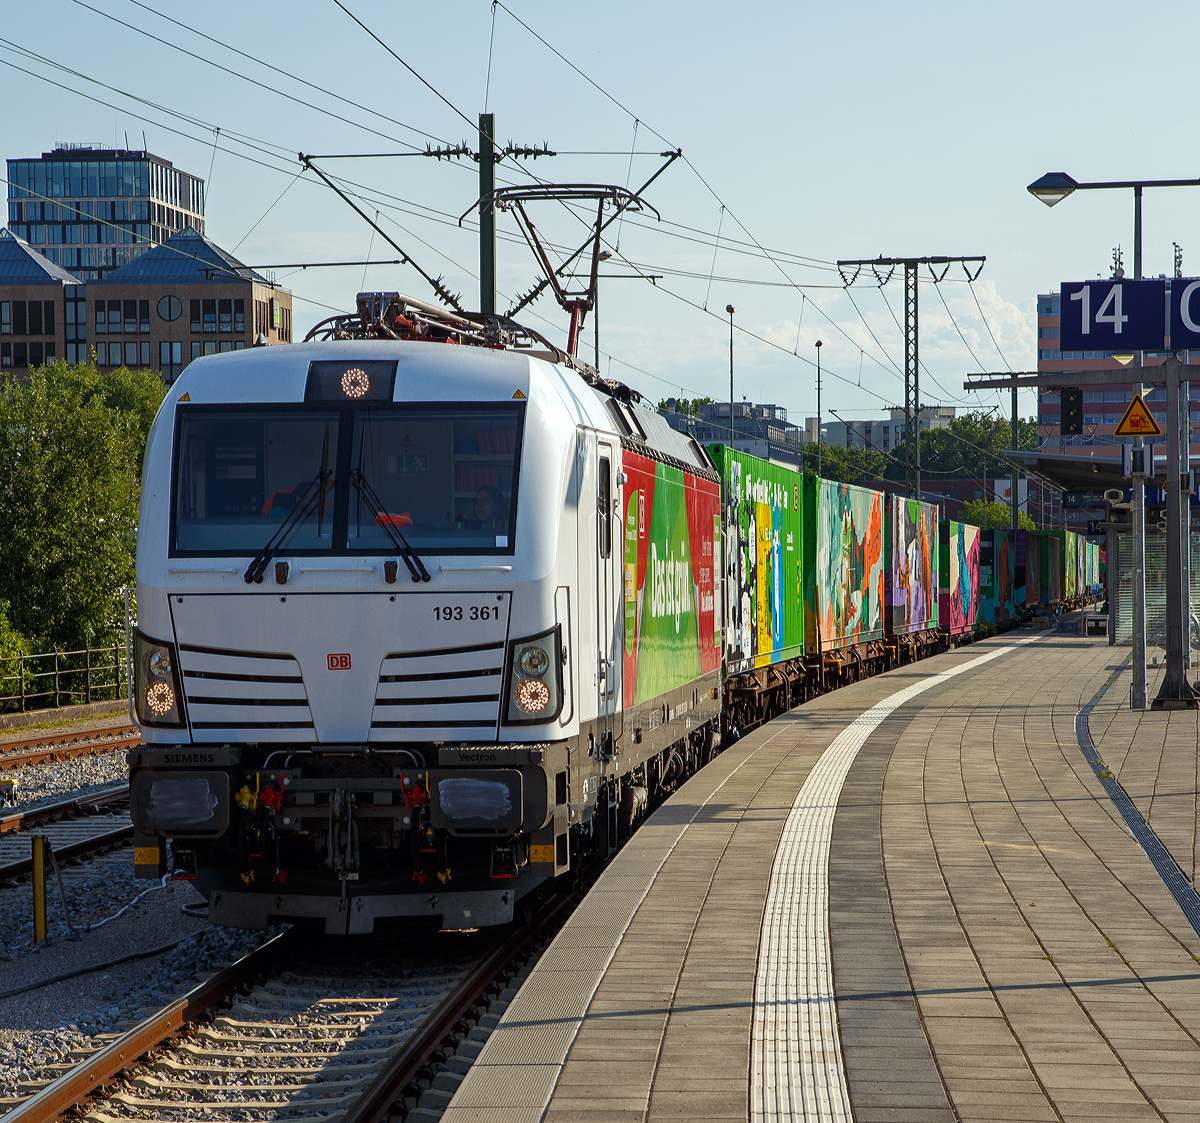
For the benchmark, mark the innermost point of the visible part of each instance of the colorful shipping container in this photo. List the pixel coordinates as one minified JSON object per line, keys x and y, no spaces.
{"x":849,"y":586}
{"x":767,"y":562}
{"x":672,"y":540}
{"x":912,"y":595}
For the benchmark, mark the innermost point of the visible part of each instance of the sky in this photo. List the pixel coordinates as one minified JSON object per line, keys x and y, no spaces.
{"x":810,"y":133}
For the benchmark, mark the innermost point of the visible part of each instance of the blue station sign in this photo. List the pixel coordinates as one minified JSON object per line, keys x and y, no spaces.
{"x":1116,"y":315}
{"x":1155,"y":315}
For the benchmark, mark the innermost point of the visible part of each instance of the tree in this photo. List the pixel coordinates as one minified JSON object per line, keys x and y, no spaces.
{"x":968,"y":449}
{"x":689,"y":407}
{"x":12,"y":646}
{"x":994,"y":516}
{"x":846,"y":465}
{"x":71,"y":442}
{"x":136,"y":393}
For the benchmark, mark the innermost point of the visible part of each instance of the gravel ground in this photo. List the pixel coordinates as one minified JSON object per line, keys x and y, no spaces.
{"x":38,"y":784}
{"x":41,"y":1027}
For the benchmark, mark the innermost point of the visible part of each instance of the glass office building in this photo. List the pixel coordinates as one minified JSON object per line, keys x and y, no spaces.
{"x":91,"y":209}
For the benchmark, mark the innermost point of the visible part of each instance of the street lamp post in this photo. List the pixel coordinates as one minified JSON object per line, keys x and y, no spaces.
{"x":819,"y":345}
{"x":1052,"y":188}
{"x":730,"y":309}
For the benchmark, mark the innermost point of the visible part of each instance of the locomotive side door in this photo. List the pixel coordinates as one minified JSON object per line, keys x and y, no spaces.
{"x":608,"y":655}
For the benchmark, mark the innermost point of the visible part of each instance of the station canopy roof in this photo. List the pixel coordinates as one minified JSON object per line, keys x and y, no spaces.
{"x":186,"y":258}
{"x":21,"y":264}
{"x":1089,"y":469}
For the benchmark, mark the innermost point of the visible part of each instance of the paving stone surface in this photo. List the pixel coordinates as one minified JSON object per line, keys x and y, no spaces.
{"x":1001,"y":947}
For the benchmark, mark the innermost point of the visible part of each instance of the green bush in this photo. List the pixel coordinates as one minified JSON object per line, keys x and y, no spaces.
{"x":71,"y":445}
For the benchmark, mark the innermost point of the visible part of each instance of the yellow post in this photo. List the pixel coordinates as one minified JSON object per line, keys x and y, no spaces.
{"x":39,"y":887}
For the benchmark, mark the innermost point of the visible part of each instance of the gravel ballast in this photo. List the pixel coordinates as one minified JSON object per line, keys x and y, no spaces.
{"x":51,"y":780}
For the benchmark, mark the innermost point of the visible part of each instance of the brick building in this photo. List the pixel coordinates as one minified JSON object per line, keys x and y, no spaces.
{"x":180,"y":300}
{"x":177,"y":301}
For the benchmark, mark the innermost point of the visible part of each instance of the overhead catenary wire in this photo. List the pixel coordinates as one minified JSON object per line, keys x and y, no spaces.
{"x":254,"y":81}
{"x":720,"y":240}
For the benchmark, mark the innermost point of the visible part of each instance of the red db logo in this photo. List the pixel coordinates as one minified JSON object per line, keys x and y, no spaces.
{"x":338,"y":662}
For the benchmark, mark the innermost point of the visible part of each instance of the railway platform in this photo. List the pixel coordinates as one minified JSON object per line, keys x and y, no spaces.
{"x":922,"y":897}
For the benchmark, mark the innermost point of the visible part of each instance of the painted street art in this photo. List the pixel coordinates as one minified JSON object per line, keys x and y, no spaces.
{"x":849,"y":585}
{"x":913,"y":592}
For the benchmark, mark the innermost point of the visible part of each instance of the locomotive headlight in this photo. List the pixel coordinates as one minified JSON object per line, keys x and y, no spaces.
{"x":160,"y":698}
{"x":533,"y":695}
{"x":534,"y":683}
{"x":534,"y":662}
{"x":156,"y":686}
{"x":355,"y":382}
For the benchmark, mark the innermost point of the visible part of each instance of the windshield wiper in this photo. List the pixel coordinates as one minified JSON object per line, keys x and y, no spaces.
{"x":314,"y":496}
{"x":415,"y":566}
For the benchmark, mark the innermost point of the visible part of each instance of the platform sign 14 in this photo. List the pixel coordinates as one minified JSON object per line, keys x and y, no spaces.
{"x":1114,"y":315}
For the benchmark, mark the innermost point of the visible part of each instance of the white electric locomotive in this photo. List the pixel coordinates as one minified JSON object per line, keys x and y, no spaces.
{"x":421,"y":622}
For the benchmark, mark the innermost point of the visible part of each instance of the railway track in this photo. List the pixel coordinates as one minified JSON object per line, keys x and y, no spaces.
{"x":77,"y":827}
{"x":63,"y":746}
{"x":308,"y":1030}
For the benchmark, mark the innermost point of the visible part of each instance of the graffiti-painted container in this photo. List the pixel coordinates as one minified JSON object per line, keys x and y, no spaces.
{"x":1051,"y":573}
{"x":1026,"y":580}
{"x":767,"y":561}
{"x":959,"y":607}
{"x":912,"y":566}
{"x":997,"y":575}
{"x":847,"y":594}
{"x":672,"y":588}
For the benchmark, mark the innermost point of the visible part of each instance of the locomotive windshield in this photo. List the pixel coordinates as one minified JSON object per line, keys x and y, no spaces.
{"x":445,"y":477}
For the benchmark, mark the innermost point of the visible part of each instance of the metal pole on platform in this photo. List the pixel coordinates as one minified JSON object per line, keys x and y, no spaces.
{"x":1137,"y":696}
{"x":1175,"y":691}
{"x":1016,"y":522}
{"x":1185,"y":530}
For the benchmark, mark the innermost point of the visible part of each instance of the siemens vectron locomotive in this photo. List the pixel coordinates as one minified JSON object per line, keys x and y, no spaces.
{"x":428,"y":613}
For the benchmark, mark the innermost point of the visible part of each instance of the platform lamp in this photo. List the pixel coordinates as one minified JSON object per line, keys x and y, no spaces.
{"x":730,"y":309}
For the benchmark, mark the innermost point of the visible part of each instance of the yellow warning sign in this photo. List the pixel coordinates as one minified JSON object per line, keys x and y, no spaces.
{"x":145,"y":855}
{"x":519,"y":396}
{"x":1137,"y":421}
{"x":541,"y":854}
{"x":186,"y":398}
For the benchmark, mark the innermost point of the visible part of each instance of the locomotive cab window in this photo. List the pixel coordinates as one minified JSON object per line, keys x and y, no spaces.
{"x":443,"y":476}
{"x":240,"y":474}
{"x":446,"y":478}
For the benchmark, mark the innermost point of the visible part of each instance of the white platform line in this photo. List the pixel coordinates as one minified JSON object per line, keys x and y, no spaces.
{"x":796,"y":1069}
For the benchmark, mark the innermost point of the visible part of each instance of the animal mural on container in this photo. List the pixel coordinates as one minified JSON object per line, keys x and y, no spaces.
{"x":849,"y":565}
{"x":914,"y":589}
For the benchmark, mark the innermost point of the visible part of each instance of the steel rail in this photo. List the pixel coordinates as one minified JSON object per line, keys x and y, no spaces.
{"x":64,"y":746}
{"x":68,"y":808}
{"x":387,"y":1088}
{"x":105,"y":841}
{"x":92,"y":1074}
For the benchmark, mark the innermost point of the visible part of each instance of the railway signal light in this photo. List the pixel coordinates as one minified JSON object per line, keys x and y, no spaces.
{"x":1071,"y":410}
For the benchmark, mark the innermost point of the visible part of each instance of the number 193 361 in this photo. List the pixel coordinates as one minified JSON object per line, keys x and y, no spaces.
{"x":475,"y":612}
